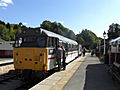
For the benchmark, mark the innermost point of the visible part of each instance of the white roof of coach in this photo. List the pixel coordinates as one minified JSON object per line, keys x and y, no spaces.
{"x":62,"y":38}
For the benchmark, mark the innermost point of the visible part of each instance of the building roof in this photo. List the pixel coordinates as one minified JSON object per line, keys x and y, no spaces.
{"x":6,"y":46}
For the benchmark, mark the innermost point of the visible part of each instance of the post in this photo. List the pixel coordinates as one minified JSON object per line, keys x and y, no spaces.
{"x":104,"y":53}
{"x":104,"y":35}
{"x":104,"y":45}
{"x":99,"y":49}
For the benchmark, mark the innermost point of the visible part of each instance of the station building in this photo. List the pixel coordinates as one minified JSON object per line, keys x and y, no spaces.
{"x":6,"y":49}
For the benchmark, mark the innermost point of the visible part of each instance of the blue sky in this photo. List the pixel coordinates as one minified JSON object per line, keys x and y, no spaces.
{"x":95,"y":15}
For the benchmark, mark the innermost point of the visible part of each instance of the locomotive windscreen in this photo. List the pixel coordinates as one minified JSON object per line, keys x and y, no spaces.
{"x":31,"y":41}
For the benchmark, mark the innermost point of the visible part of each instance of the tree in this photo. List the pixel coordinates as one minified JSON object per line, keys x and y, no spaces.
{"x":58,"y":28}
{"x":20,"y":24}
{"x":71,"y":35}
{"x":46,"y":25}
{"x":8,"y":25}
{"x":16,"y":27}
{"x":113,"y":31}
{"x":87,"y":38}
{"x":8,"y":31}
{"x":2,"y":23}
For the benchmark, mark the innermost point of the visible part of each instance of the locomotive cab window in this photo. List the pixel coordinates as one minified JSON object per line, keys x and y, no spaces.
{"x":31,"y":41}
{"x":41,"y":41}
{"x":18,"y":42}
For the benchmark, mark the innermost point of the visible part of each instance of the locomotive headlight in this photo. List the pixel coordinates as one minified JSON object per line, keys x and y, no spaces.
{"x":16,"y":59}
{"x":40,"y":57}
{"x":16,"y":54}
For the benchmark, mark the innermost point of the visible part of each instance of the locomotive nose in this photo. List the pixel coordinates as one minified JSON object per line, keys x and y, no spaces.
{"x":29,"y":58}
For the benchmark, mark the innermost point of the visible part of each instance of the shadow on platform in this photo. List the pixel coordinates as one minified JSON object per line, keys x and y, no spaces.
{"x":97,"y":78}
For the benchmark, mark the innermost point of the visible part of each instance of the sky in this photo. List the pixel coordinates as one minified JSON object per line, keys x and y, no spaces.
{"x":94,"y":15}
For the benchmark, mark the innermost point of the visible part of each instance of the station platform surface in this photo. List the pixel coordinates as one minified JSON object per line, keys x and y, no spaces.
{"x":5,"y":60}
{"x":84,"y":73}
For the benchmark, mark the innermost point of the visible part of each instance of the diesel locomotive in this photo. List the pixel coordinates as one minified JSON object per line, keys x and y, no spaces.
{"x":34,"y":50}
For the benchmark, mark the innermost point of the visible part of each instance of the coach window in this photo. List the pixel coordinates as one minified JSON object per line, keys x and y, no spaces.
{"x":110,"y":47}
{"x":75,"y":47}
{"x":51,"y":42}
{"x":119,"y":47}
{"x":66,"y":46}
{"x":70,"y":47}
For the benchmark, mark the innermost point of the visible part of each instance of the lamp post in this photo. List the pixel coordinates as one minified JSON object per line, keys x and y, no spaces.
{"x":104,"y":35}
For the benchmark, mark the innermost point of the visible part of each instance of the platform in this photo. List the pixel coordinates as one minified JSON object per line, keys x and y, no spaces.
{"x":6,"y":60}
{"x":84,"y":73}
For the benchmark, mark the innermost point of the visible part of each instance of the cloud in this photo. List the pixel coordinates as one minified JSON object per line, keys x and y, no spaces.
{"x":5,"y":3}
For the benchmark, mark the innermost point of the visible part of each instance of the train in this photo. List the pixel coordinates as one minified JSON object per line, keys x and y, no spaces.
{"x":114,"y":51}
{"x":34,"y":50}
{"x":114,"y":57}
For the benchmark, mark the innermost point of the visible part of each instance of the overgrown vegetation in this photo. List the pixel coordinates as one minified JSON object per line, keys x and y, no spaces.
{"x":113,"y":31}
{"x":87,"y":38}
{"x":8,"y":31}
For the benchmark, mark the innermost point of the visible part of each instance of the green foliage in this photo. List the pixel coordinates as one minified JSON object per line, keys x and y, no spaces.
{"x":8,"y":31}
{"x":114,"y":31}
{"x":2,"y":23}
{"x":58,"y":28}
{"x":87,"y":38}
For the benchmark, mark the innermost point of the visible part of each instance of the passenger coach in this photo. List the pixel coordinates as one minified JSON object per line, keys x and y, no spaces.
{"x":114,"y":51}
{"x":114,"y":57}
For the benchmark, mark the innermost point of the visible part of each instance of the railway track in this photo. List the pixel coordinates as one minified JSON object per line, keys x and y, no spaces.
{"x":11,"y":81}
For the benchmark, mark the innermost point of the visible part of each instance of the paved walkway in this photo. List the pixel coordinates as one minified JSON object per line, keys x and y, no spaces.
{"x":91,"y":75}
{"x":57,"y":80}
{"x":6,"y":60}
